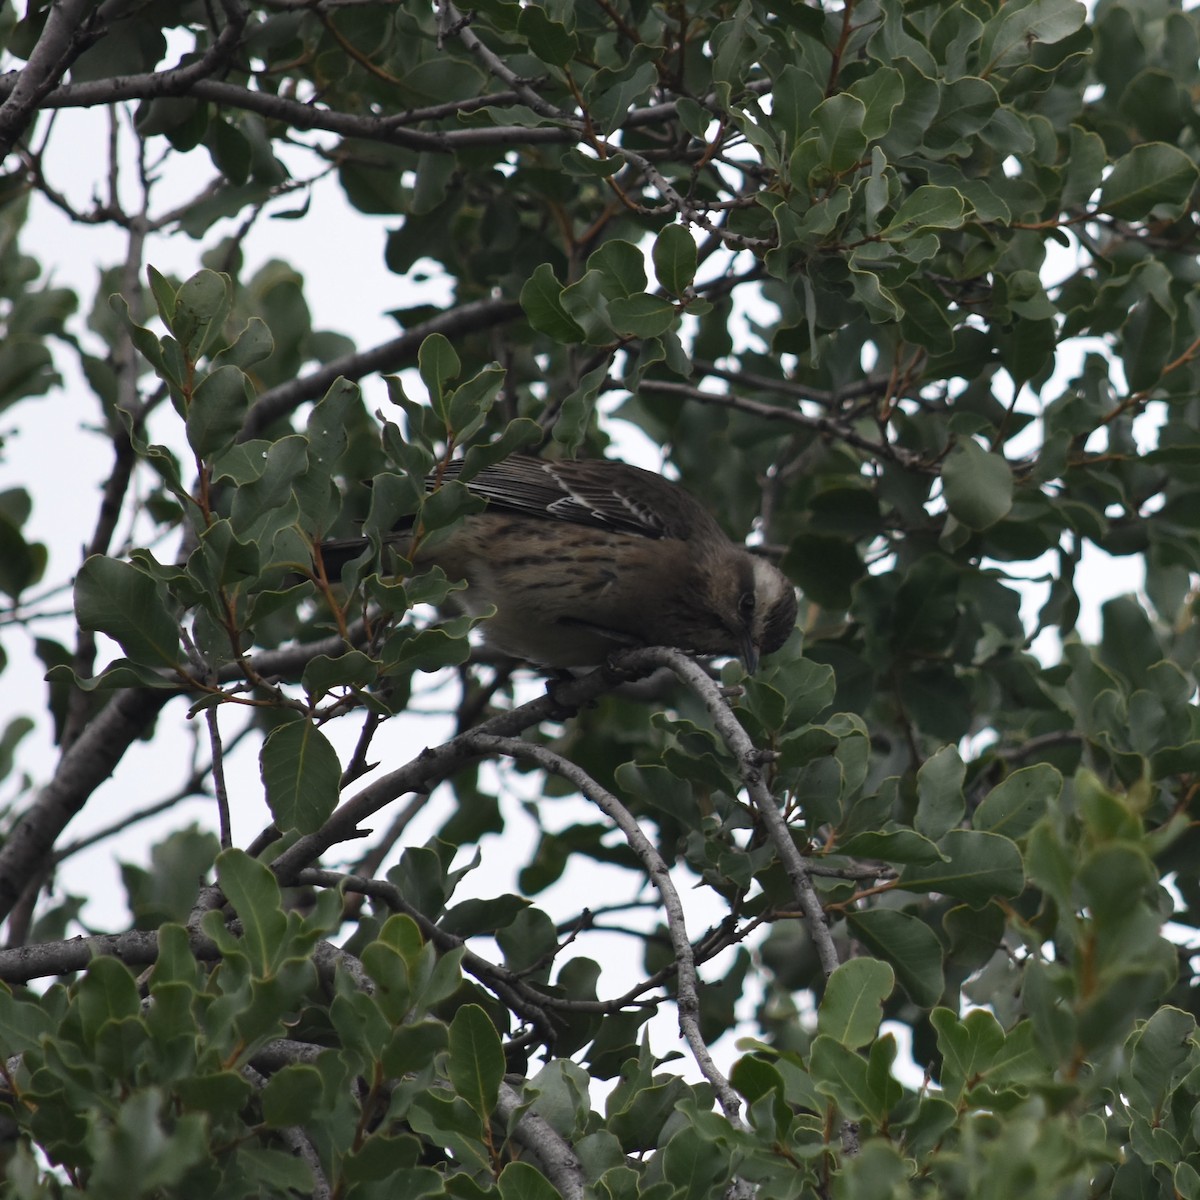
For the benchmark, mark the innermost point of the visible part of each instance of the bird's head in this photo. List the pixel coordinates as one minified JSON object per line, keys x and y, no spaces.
{"x":750,"y":607}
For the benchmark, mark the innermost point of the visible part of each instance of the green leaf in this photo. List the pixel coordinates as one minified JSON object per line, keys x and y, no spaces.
{"x":22,"y":1023}
{"x":675,"y":259}
{"x":22,"y":563}
{"x":476,"y":1059}
{"x":520,"y":1180}
{"x":438,"y":364}
{"x":610,"y":94}
{"x":847,"y":1078}
{"x":1010,"y":36}
{"x":412,"y":1047}
{"x":622,"y":269}
{"x":852,"y":1006}
{"x":548,"y":39}
{"x":116,"y":598}
{"x":1151,"y":176}
{"x":107,"y":993}
{"x":642,"y":315}
{"x":470,"y":402}
{"x":292,"y":1095}
{"x":978,"y":485}
{"x":908,"y":944}
{"x":940,"y":803}
{"x":217,"y":410}
{"x":138,"y":1143}
{"x":253,"y":891}
{"x":928,"y":207}
{"x":163,"y":292}
{"x":541,"y":298}
{"x":894,"y":846}
{"x":968,"y":1046}
{"x":518,"y":434}
{"x":301,"y":773}
{"x":981,"y":867}
{"x":477,"y":916}
{"x":694,"y":1163}
{"x":201,"y":306}
{"x":840,"y":123}
{"x":1016,"y":804}
{"x":587,"y":303}
{"x":231,"y":152}
{"x":253,"y":344}
{"x":1159,"y":1055}
{"x":353,"y":669}
{"x":881,"y":92}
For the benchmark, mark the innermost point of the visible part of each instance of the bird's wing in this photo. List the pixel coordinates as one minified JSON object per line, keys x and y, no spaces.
{"x":597,"y":492}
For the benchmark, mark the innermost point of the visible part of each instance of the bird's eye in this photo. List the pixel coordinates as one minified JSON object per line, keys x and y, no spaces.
{"x":746,"y":607}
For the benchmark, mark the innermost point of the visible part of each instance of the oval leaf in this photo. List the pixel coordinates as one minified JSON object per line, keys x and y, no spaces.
{"x":1148,"y":176}
{"x":301,"y":772}
{"x":675,"y":259}
{"x":852,"y":1006}
{"x":476,"y":1059}
{"x":978,"y":485}
{"x":981,"y":867}
{"x":115,"y":598}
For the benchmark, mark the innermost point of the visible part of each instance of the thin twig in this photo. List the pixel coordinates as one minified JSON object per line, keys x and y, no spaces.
{"x":220,"y":790}
{"x":771,"y":412}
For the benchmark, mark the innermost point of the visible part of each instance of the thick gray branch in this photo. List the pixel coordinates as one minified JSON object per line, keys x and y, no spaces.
{"x":555,"y":1154}
{"x":59,"y":45}
{"x":137,"y":948}
{"x":83,"y":768}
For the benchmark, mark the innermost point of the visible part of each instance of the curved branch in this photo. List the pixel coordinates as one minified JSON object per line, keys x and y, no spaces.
{"x":749,"y":760}
{"x":184,"y":81}
{"x":510,"y":988}
{"x":62,"y":40}
{"x":499,"y":69}
{"x":94,"y":755}
{"x":435,"y":764}
{"x":688,"y":1000}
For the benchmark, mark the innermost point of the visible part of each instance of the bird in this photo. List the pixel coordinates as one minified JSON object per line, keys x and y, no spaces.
{"x":580,"y":558}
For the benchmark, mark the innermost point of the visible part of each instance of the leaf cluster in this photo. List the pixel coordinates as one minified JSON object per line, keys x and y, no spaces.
{"x":908,"y":288}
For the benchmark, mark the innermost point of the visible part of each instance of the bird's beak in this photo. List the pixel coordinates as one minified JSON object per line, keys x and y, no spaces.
{"x":748,"y":653}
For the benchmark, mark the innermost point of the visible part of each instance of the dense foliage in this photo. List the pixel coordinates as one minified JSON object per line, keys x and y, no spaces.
{"x":908,"y":287}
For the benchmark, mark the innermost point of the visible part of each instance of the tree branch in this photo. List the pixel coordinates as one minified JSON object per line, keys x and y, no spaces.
{"x":435,"y":764}
{"x":558,"y":1159}
{"x":137,"y":948}
{"x":94,"y":755}
{"x":86,"y":765}
{"x":281,"y":400}
{"x":63,"y":39}
{"x":749,"y":761}
{"x":688,"y":1000}
{"x":771,"y":412}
